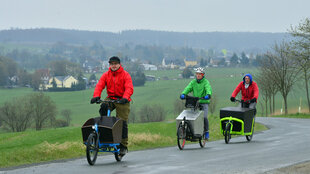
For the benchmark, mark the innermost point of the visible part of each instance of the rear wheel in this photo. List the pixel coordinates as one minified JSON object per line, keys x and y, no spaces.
{"x":92,"y":149}
{"x":227,"y":133}
{"x":249,"y":137}
{"x":181,"y":135}
{"x":202,"y":140}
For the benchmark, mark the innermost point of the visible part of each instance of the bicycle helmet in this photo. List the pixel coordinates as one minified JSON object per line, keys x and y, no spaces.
{"x":199,"y":70}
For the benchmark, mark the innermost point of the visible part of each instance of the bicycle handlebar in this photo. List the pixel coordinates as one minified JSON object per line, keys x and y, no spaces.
{"x":241,"y":101}
{"x":108,"y":101}
{"x":186,"y":96}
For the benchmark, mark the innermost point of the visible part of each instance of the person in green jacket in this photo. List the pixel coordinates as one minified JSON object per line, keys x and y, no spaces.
{"x":200,"y":87}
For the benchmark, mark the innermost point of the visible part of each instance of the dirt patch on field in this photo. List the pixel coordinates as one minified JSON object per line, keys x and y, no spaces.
{"x":302,"y":168}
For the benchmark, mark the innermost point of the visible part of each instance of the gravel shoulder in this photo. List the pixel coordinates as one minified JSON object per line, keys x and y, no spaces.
{"x":301,"y":168}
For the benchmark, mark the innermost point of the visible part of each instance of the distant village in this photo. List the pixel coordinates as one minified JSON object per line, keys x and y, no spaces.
{"x":95,"y":66}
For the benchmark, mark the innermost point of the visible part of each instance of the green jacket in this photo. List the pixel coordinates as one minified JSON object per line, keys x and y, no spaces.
{"x":199,"y":89}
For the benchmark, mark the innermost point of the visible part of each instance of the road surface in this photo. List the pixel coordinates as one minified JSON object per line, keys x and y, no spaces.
{"x":285,"y":143}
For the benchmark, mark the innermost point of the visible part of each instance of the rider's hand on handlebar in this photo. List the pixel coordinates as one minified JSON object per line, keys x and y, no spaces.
{"x":182,"y":96}
{"x":253,"y":100}
{"x":207,"y":97}
{"x":233,"y":99}
{"x":94,"y":100}
{"x":123,"y":101}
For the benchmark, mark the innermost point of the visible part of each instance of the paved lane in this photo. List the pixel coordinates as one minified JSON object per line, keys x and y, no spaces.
{"x":285,"y":143}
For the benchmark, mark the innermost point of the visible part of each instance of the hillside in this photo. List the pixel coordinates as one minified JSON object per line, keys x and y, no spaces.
{"x":237,"y":41}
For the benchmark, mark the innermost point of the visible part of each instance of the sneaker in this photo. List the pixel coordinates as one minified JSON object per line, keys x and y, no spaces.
{"x":123,"y":150}
{"x":207,"y":135}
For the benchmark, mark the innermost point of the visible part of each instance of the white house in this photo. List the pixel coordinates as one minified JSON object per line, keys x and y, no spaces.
{"x":149,"y":67}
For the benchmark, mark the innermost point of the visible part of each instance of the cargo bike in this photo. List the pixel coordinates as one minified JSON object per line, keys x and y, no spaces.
{"x":237,"y":121}
{"x":102,"y":134}
{"x":190,"y":123}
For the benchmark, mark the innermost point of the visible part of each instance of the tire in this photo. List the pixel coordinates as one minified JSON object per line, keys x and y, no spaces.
{"x":92,"y":149}
{"x":249,"y":137}
{"x":227,"y":133}
{"x":181,"y":136}
{"x":118,"y":156}
{"x":202,"y":141}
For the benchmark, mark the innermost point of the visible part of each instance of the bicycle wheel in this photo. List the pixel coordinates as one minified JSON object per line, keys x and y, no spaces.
{"x":118,"y":156}
{"x":92,"y":149}
{"x":227,"y":133}
{"x":202,"y":140}
{"x":181,"y":135}
{"x":249,"y":137}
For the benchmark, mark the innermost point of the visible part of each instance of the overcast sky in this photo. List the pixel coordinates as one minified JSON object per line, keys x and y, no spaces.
{"x":164,"y":15}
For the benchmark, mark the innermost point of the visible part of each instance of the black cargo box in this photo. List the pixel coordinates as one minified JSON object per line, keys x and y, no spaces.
{"x":110,"y":129}
{"x":244,"y":114}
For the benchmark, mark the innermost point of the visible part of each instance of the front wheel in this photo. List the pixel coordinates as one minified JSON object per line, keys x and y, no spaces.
{"x":181,"y":135}
{"x":202,"y":140}
{"x":92,"y":149}
{"x":227,"y":133}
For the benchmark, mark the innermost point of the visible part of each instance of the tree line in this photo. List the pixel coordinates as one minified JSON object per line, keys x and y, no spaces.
{"x":284,"y":66}
{"x":34,"y":110}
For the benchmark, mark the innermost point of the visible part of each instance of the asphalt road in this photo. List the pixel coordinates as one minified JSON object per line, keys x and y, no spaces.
{"x":285,"y":143}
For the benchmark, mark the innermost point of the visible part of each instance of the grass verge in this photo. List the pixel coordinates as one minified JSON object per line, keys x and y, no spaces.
{"x":65,"y":143}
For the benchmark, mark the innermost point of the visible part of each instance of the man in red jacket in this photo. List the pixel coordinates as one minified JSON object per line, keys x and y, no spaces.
{"x":249,"y":92}
{"x":119,"y":86}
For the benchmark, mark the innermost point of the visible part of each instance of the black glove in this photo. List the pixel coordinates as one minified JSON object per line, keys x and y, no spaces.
{"x":253,"y":100}
{"x":233,"y":99}
{"x":94,"y":100}
{"x":123,"y":101}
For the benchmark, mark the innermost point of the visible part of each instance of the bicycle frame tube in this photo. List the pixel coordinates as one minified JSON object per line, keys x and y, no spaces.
{"x":229,"y":119}
{"x":109,"y":113}
{"x":241,"y":132}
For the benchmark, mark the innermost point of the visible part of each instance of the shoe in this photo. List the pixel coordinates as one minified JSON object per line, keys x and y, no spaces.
{"x":123,"y":150}
{"x":207,"y":135}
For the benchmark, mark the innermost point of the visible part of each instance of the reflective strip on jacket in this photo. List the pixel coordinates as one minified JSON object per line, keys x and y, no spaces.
{"x":118,"y":84}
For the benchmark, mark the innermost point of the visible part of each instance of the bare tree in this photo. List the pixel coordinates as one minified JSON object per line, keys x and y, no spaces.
{"x":268,"y":89}
{"x":66,"y":113}
{"x":278,"y":64}
{"x":154,"y":113}
{"x":302,"y":51}
{"x":44,"y":109}
{"x":16,"y":116}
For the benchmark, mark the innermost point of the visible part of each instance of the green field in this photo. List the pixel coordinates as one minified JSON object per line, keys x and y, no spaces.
{"x":163,"y":92}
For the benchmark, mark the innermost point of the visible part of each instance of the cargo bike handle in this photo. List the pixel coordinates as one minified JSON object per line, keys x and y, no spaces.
{"x":242,"y":101}
{"x":108,"y":102}
{"x":193,"y":105}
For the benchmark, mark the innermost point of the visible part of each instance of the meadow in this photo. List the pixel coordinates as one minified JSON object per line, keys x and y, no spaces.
{"x":162,"y":92}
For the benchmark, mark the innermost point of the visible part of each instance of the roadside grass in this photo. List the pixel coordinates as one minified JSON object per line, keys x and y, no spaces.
{"x":65,"y":143}
{"x":297,"y":115}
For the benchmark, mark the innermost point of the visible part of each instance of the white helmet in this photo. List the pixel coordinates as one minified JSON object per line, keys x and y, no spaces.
{"x":199,"y":70}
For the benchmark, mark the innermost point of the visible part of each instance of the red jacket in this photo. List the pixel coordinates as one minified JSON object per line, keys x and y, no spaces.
{"x":118,"y":84}
{"x":247,"y":94}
